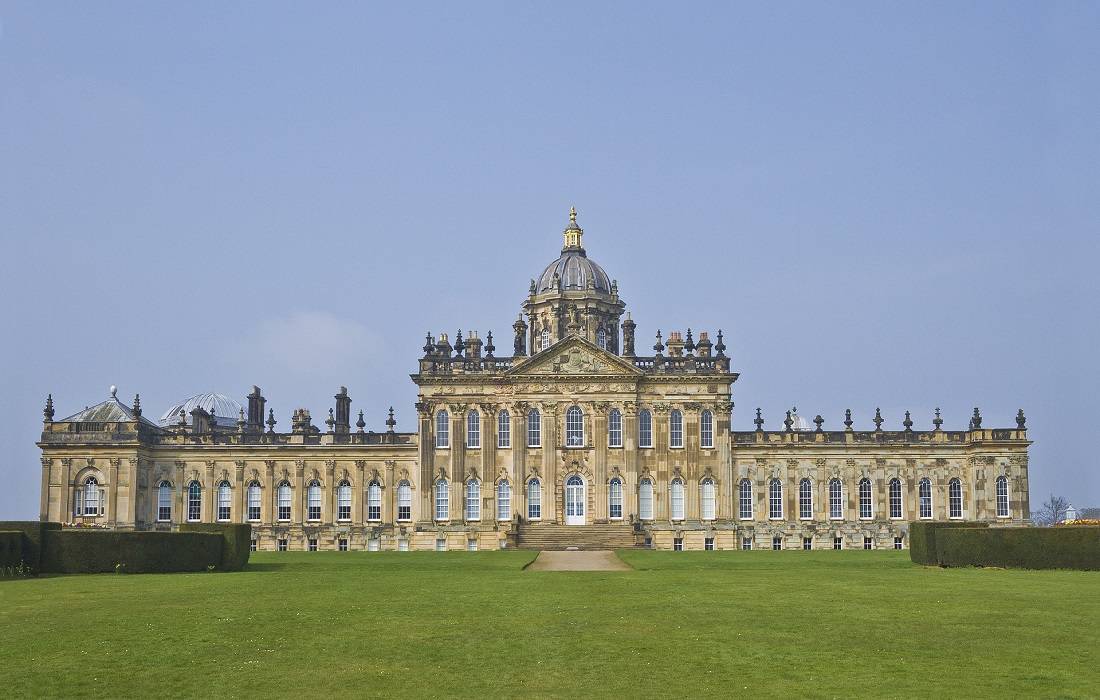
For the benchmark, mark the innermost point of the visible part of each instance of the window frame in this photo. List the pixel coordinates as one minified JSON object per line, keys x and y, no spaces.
{"x":194,"y":501}
{"x":343,"y":501}
{"x":955,"y":505}
{"x":836,"y":499}
{"x":534,"y":428}
{"x":404,"y":501}
{"x":574,"y":427}
{"x":896,"y":497}
{"x":866,"y":499}
{"x":925,"y":501}
{"x":1006,"y":512}
{"x":224,"y":506}
{"x":504,"y":500}
{"x":676,"y":506}
{"x":775,"y":499}
{"x":314,"y":499}
{"x":442,"y":430}
{"x":745,"y":505}
{"x":676,"y":429}
{"x":706,"y":430}
{"x":254,"y":499}
{"x":91,"y":486}
{"x":615,"y":499}
{"x":708,"y":502}
{"x":473,"y":430}
{"x":645,"y":499}
{"x":805,"y":499}
{"x":442,"y":500}
{"x":615,"y":429}
{"x":534,"y":499}
{"x":374,"y":501}
{"x":472,"y":500}
{"x":645,"y":429}
{"x":504,"y":429}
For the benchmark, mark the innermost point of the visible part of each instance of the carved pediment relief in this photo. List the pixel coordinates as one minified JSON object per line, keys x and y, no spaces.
{"x":574,"y":357}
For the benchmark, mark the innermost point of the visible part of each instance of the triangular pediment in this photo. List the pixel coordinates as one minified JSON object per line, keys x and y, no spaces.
{"x":575,"y":357}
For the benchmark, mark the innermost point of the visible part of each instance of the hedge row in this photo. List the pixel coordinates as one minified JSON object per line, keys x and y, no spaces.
{"x":237,"y":540}
{"x":1021,"y":547}
{"x":922,"y":539}
{"x":11,"y":550}
{"x":32,"y":534}
{"x":98,"y":551}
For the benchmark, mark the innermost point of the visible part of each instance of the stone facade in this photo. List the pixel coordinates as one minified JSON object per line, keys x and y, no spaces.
{"x":572,"y":428}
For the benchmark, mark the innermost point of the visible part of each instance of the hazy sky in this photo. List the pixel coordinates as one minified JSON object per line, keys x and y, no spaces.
{"x":881,"y":204}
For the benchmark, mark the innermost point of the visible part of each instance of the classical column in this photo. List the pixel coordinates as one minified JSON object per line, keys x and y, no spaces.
{"x":550,"y":446}
{"x":208,"y":493}
{"x":328,"y":507}
{"x":596,"y":438}
{"x":358,"y":508}
{"x":268,"y":505}
{"x":426,"y":453}
{"x":238,"y":512}
{"x":518,"y":412}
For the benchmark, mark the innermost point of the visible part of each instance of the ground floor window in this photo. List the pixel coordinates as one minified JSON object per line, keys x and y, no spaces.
{"x":402,"y":545}
{"x":708,"y":544}
{"x":281,"y":545}
{"x":649,"y":542}
{"x":838,"y":543}
{"x":678,"y":544}
{"x":868,"y":543}
{"x":471,"y":545}
{"x":807,"y":543}
{"x":374,"y":544}
{"x":777,"y":543}
{"x":342,"y":544}
{"x":252,"y":545}
{"x":441,"y":545}
{"x":746,"y":543}
{"x":897,"y":543}
{"x":313,"y":544}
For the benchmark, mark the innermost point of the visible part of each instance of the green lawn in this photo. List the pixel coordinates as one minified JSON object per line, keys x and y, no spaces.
{"x":426,"y":624}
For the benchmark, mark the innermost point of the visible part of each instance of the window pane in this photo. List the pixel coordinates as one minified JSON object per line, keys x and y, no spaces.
{"x":442,"y":500}
{"x":574,"y":427}
{"x":615,"y":498}
{"x":775,"y":499}
{"x":504,"y":429}
{"x":473,"y":429}
{"x":676,"y":428}
{"x":707,"y":497}
{"x":442,"y":429}
{"x":805,"y":500}
{"x":534,"y":428}
{"x":615,"y":428}
{"x":744,"y":498}
{"x":645,"y":428}
{"x":645,"y":500}
{"x":677,"y":500}
{"x":706,"y":429}
{"x":534,"y":499}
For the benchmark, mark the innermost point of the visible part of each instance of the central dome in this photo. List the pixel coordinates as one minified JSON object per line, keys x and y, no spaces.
{"x":573,"y":270}
{"x":225,"y":409}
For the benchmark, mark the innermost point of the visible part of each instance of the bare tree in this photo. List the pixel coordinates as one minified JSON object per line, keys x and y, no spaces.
{"x":1051,"y":512}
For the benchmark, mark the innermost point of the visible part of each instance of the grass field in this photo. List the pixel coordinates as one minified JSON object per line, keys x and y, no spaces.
{"x":426,"y":624}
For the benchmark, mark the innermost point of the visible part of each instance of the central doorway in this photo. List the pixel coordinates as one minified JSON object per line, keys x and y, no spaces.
{"x":574,"y":500}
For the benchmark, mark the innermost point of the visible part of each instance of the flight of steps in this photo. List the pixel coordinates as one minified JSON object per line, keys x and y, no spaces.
{"x":550,"y":536}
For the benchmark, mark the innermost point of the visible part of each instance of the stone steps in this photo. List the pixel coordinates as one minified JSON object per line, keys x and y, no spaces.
{"x":561,"y":537}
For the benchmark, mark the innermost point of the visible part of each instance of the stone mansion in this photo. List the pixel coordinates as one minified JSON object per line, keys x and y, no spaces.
{"x":570,"y":437}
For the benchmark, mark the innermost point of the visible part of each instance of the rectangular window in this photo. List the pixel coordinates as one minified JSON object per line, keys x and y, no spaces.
{"x":645,"y":429}
{"x":744,"y":500}
{"x":897,"y":543}
{"x":282,"y":545}
{"x":678,"y":544}
{"x":836,"y":500}
{"x":252,"y":545}
{"x":471,"y":545}
{"x":868,"y":543}
{"x":777,"y":543}
{"x":706,"y":430}
{"x":895,"y":498}
{"x":649,"y":543}
{"x":534,"y":429}
{"x":676,"y":429}
{"x":838,"y":543}
{"x":504,"y":429}
{"x":253,"y":502}
{"x":615,"y":429}
{"x":1002,"y":497}
{"x":807,"y":543}
{"x":473,"y":430}
{"x":746,"y":543}
{"x":313,"y":544}
{"x":342,"y":544}
{"x":374,"y":502}
{"x":441,"y":545}
{"x":374,"y":544}
{"x":442,"y":430}
{"x":708,"y":544}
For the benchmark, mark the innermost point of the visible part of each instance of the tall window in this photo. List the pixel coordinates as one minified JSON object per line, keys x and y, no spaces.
{"x":574,"y":427}
{"x":374,"y":501}
{"x":676,"y":428}
{"x":442,"y":500}
{"x":706,"y":493}
{"x":534,"y":499}
{"x":504,"y":501}
{"x":601,"y":339}
{"x":645,"y":428}
{"x":194,"y":501}
{"x":775,"y":499}
{"x":164,"y":502}
{"x":343,"y":501}
{"x":1002,"y":497}
{"x":442,"y":429}
{"x":895,"y":498}
{"x":955,"y":498}
{"x":744,"y":500}
{"x":313,"y":500}
{"x":404,"y":500}
{"x":866,"y":508}
{"x":225,"y":500}
{"x":284,"y":501}
{"x":473,"y":429}
{"x":615,"y":428}
{"x":805,"y":499}
{"x":534,"y":428}
{"x":91,"y":501}
{"x":836,"y":499}
{"x":645,"y":499}
{"x":254,"y":500}
{"x":473,"y":500}
{"x":676,"y":499}
{"x":924,"y":497}
{"x":615,"y":498}
{"x":544,"y":339}
{"x":504,"y":429}
{"x":706,"y":430}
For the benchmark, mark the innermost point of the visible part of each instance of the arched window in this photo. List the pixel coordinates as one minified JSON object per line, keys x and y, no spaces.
{"x":1002,"y":497}
{"x":645,"y":428}
{"x":544,"y":339}
{"x":744,"y":500}
{"x":343,"y":501}
{"x":534,"y":499}
{"x":473,"y":500}
{"x":284,"y":500}
{"x":805,"y":500}
{"x":473,"y":429}
{"x":91,"y":497}
{"x":775,"y":499}
{"x":194,"y":501}
{"x":676,"y":428}
{"x":504,"y":429}
{"x":404,"y":500}
{"x":442,"y":500}
{"x":313,"y":500}
{"x":164,"y":502}
{"x":374,"y":501}
{"x":504,"y":501}
{"x":534,"y":428}
{"x":706,"y":493}
{"x":706,"y":430}
{"x":836,"y":500}
{"x":601,"y":339}
{"x":955,"y":498}
{"x":895,"y":498}
{"x":924,"y":498}
{"x":676,"y":499}
{"x":225,"y":501}
{"x":866,"y":507}
{"x":442,"y":429}
{"x":615,"y":428}
{"x":254,"y":500}
{"x":574,"y":427}
{"x":615,"y":499}
{"x":645,"y":499}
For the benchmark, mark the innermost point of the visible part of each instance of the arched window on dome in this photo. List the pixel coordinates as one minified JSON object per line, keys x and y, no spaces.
{"x":601,"y":338}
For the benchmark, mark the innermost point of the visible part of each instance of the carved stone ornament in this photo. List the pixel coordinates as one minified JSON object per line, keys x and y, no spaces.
{"x":300,"y":465}
{"x":792,"y":463}
{"x":819,"y":462}
{"x":360,"y":464}
{"x":850,"y":462}
{"x":239,"y":463}
{"x":269,"y":463}
{"x":330,"y":463}
{"x":761,"y":462}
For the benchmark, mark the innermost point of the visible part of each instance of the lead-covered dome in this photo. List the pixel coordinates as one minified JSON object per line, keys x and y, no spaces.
{"x":225,"y":409}
{"x":573,"y":270}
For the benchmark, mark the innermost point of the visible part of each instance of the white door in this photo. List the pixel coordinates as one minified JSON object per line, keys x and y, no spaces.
{"x":574,"y":501}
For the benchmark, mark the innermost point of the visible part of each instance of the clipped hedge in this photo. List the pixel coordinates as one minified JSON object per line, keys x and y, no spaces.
{"x":98,"y":551}
{"x":237,"y":542}
{"x":922,"y":538}
{"x":33,"y":532}
{"x":1021,"y":547}
{"x":11,"y":550}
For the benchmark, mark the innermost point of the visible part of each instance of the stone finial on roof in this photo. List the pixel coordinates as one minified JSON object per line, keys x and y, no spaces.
{"x":937,"y":422}
{"x":489,"y":347}
{"x":271,"y":421}
{"x":908,"y":423}
{"x":759,"y":422}
{"x":1021,"y":420}
{"x":848,"y":419}
{"x":391,"y":422}
{"x":689,"y":343}
{"x":47,"y":412}
{"x":658,"y":347}
{"x":720,"y":346}
{"x":818,"y":421}
{"x":976,"y":420}
{"x":878,"y":421}
{"x":460,"y":346}
{"x":331,"y":421}
{"x":114,"y":391}
{"x":360,"y":424}
{"x":788,"y":422}
{"x":137,"y":406}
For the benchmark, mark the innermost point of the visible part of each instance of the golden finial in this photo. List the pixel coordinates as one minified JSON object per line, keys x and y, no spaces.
{"x":573,"y":215}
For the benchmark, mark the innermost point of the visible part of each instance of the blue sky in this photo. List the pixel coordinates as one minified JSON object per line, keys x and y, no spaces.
{"x":882,"y":205}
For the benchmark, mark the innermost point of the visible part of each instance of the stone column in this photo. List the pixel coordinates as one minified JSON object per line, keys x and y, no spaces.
{"x":596,"y":438}
{"x":519,"y":458}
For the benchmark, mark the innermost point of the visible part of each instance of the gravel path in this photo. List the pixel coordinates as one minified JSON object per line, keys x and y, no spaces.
{"x":599,"y":560}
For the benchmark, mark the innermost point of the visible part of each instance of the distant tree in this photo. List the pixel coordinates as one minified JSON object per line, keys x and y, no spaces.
{"x":1052,"y":511}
